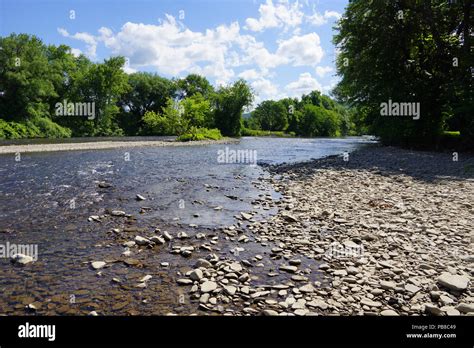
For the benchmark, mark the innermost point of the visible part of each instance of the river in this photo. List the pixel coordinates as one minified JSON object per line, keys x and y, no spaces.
{"x":46,"y":199}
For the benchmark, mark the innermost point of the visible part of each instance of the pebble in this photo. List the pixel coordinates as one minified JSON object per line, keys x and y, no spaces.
{"x":453,"y":281}
{"x":22,"y":259}
{"x":413,"y":289}
{"x":167,"y":236}
{"x":236,"y":267}
{"x":387,"y":285}
{"x":203,"y":263}
{"x":291,"y":269}
{"x":142,"y":241}
{"x":432,"y":309}
{"x":208,"y":286}
{"x":158,"y":240}
{"x":196,"y":275}
{"x":98,"y":264}
{"x":231,"y":290}
{"x":465,"y":307}
{"x":145,"y":278}
{"x":184,"y":281}
{"x":140,"y":198}
{"x":370,"y":303}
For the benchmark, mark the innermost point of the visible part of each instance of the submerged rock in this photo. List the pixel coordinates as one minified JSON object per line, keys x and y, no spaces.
{"x":140,"y":198}
{"x":142,"y":241}
{"x":98,"y":264}
{"x":22,"y":259}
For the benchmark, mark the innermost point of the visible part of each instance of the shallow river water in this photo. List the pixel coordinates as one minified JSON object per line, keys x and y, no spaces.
{"x":47,"y":198}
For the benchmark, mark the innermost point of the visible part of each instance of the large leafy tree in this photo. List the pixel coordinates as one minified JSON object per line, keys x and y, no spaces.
{"x":27,"y":80}
{"x":193,"y":84}
{"x":229,"y":103}
{"x":318,"y":121}
{"x":405,"y":51}
{"x":148,"y":92}
{"x":271,"y":115}
{"x":103,"y":84}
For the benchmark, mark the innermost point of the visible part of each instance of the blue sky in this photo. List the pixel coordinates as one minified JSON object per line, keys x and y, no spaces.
{"x":281,"y":47}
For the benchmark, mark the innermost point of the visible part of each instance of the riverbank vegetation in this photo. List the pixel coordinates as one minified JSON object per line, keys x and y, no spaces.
{"x":409,"y":52}
{"x":100,"y":99}
{"x":312,"y":115}
{"x":405,"y":68}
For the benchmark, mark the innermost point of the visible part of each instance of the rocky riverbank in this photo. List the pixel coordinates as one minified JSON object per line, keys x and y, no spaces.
{"x":102,"y":145}
{"x":389,"y":230}
{"x":383,"y":231}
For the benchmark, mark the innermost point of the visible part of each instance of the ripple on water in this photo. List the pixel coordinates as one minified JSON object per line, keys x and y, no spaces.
{"x":183,"y":186}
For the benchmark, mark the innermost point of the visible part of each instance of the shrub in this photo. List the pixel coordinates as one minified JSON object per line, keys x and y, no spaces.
{"x":50,"y":129}
{"x":195,"y":134}
{"x":37,"y":128}
{"x":261,"y":133}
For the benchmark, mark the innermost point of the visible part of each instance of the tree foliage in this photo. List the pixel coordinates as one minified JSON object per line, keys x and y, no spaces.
{"x":194,"y":84}
{"x":147,"y":92}
{"x":314,"y":115}
{"x":271,"y":115}
{"x":229,"y":103}
{"x":407,"y":51}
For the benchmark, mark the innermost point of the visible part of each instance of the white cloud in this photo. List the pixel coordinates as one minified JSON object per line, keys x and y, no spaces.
{"x":256,"y":53}
{"x":328,"y":88}
{"x":264,"y":88}
{"x":305,"y":84}
{"x":321,"y":71}
{"x":170,"y":47}
{"x":282,"y":14}
{"x":320,"y":19}
{"x":332,"y":14}
{"x":88,"y":39}
{"x":250,"y":74}
{"x":75,"y":52}
{"x":302,"y":50}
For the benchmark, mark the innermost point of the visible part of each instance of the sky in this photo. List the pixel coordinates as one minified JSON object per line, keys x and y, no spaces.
{"x":281,"y":47}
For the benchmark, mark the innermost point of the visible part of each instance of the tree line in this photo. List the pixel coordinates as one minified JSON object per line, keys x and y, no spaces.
{"x":402,"y":51}
{"x":313,"y":115}
{"x":42,"y":87}
{"x":37,"y":80}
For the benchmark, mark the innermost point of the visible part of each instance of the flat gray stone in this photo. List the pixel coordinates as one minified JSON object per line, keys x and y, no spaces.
{"x":465,"y":307}
{"x":453,"y":281}
{"x":196,"y":274}
{"x":208,"y":286}
{"x":98,"y":264}
{"x":370,"y":303}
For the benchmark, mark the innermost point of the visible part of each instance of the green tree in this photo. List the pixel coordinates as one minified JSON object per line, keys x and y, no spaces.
{"x":229,"y":103}
{"x":103,"y":84}
{"x":27,"y":79}
{"x":317,"y":121}
{"x":147,"y":92}
{"x":168,"y":122}
{"x":193,"y":84}
{"x":271,"y":115}
{"x":197,"y":112}
{"x":404,"y":51}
